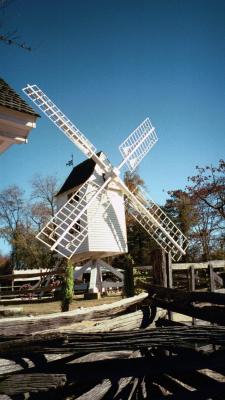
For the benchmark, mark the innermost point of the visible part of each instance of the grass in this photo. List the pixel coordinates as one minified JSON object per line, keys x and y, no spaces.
{"x":55,"y":306}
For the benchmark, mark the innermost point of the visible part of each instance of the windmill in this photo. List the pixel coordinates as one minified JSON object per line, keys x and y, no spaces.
{"x":69,"y":228}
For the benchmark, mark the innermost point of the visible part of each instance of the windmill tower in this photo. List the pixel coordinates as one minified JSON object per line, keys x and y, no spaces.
{"x":98,"y":195}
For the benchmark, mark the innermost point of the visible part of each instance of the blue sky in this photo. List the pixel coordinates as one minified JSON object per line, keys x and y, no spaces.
{"x":110,"y":64}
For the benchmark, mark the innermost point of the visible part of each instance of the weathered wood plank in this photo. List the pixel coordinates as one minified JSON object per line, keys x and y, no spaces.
{"x":23,"y":383}
{"x":181,"y":295}
{"x":107,"y":387}
{"x":137,"y":367}
{"x":170,"y":336}
{"x":131,"y":321}
{"x":213,"y":314}
{"x":202,"y":265}
{"x":27,"y":325}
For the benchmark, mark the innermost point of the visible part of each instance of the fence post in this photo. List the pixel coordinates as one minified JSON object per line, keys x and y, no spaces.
{"x":211,"y":288}
{"x":192,"y":278}
{"x":162,"y":270}
{"x":159,"y":267}
{"x":192,"y":284}
{"x":169,"y":276}
{"x":211,"y":278}
{"x":169,"y":271}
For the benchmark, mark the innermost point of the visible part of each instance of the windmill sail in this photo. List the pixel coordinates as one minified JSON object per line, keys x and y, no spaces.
{"x":42,"y":101}
{"x":138,"y":144}
{"x":59,"y":119}
{"x":156,"y":223}
{"x":68,"y":229}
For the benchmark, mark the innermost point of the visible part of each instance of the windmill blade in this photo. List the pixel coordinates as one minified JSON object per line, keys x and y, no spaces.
{"x":65,"y":232}
{"x":138,"y":144}
{"x":59,"y":119}
{"x":156,"y":223}
{"x":64,"y":124}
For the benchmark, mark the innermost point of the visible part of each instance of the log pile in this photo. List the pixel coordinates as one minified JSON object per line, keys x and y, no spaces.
{"x":132,"y":358}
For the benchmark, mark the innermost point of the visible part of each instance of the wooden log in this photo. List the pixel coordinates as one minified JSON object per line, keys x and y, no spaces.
{"x":170,"y":336}
{"x":136,"y":367}
{"x":203,"y":383}
{"x":173,"y":386}
{"x":137,"y":320}
{"x":107,"y":387}
{"x":81,"y":390}
{"x":27,"y":325}
{"x":213,"y":314}
{"x":23,"y":383}
{"x":141,"y":319}
{"x":181,"y":295}
{"x":190,"y":386}
{"x":10,"y":311}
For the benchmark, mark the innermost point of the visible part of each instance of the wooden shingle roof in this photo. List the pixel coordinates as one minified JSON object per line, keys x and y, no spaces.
{"x":79,"y":174}
{"x":10,"y":99}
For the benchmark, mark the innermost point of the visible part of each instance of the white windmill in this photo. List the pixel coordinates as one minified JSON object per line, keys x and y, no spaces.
{"x":90,"y":223}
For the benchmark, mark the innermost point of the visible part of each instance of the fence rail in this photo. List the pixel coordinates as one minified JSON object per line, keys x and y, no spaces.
{"x":51,"y":357}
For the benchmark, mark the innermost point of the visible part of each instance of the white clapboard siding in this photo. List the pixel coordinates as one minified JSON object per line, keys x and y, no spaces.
{"x":106,"y":220}
{"x":107,"y":230}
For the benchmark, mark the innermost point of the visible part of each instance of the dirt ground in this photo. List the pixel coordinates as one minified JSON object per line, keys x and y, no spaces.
{"x":54,"y":306}
{"x":50,"y":307}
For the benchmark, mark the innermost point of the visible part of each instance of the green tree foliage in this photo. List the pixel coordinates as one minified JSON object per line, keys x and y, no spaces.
{"x":30,"y":252}
{"x":199,"y":211}
{"x":180,"y":208}
{"x":208,"y":187}
{"x":67,"y":288}
{"x":140,"y":243}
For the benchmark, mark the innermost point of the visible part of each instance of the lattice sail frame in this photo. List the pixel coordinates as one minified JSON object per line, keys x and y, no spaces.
{"x":59,"y":119}
{"x":138,"y":144}
{"x":68,"y":229}
{"x":157,"y":224}
{"x":57,"y":233}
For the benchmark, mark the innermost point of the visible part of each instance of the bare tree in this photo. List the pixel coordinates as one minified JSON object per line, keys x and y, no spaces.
{"x":44,"y":190}
{"x":13,"y":216}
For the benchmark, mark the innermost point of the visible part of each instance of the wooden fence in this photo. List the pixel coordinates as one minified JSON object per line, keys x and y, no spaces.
{"x":132,"y":349}
{"x":188,"y":276}
{"x":127,"y":350}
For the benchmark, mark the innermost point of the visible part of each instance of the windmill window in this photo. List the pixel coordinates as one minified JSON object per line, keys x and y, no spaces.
{"x":73,"y":231}
{"x":76,"y":197}
{"x":77,"y":226}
